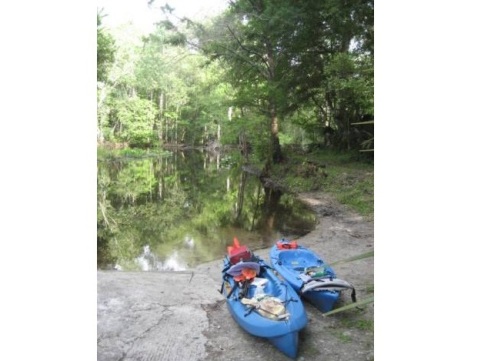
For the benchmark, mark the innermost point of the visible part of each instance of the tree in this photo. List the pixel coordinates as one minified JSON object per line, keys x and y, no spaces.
{"x":105,"y":50}
{"x":134,"y":121}
{"x":331,"y":46}
{"x":247,"y":40}
{"x":291,"y":65}
{"x":283,"y":56}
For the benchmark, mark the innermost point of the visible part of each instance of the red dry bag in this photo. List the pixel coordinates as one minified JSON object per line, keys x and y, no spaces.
{"x":238,"y":253}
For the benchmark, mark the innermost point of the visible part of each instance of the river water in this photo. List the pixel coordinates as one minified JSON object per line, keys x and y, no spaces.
{"x":182,"y":208}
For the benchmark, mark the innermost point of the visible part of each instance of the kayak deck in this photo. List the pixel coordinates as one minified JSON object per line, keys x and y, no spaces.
{"x":282,"y":333}
{"x":300,"y":265}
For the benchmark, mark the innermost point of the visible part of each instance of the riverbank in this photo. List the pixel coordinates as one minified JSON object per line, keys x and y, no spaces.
{"x":181,"y":316}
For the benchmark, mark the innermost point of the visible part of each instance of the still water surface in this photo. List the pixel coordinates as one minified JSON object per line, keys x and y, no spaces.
{"x":176,"y":211}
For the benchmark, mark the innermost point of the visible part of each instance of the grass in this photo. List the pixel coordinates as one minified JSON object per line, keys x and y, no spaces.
{"x":344,"y":337}
{"x":103,"y":153}
{"x":364,"y":325}
{"x":346,"y":176}
{"x":353,"y":320}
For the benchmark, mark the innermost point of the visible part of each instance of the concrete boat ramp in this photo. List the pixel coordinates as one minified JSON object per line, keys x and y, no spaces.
{"x":153,"y":315}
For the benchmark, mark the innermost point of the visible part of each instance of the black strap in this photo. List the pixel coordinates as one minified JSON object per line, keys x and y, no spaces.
{"x":249,"y":311}
{"x":232,"y":290}
{"x":224,"y":279}
{"x":227,"y":266}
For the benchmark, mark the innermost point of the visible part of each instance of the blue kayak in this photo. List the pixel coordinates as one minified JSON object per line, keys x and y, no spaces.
{"x":308,"y":274}
{"x":263,"y":306}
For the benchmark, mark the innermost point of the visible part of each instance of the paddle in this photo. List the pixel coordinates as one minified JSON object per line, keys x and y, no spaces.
{"x":348,"y":307}
{"x":354,"y":258}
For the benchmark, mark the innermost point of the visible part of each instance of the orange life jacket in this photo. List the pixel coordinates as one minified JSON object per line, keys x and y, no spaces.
{"x":286,"y":245}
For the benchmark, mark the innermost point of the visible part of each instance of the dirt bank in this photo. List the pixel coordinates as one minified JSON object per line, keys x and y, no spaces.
{"x":347,"y":336}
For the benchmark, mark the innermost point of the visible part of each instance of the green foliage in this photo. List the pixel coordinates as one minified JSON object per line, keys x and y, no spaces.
{"x":340,"y":174}
{"x":151,"y":68}
{"x":135,"y":180}
{"x":352,"y":184}
{"x":158,"y":201}
{"x":349,"y":78}
{"x":310,"y":62}
{"x":135,"y":119}
{"x":105,"y":51}
{"x":104,"y":154}
{"x":307,"y":66}
{"x":359,"y":196}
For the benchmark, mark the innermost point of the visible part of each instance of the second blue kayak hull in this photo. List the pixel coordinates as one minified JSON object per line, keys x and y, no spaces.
{"x":291,"y":263}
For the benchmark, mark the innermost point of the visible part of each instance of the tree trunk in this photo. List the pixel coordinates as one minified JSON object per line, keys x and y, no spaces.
{"x":161,"y":116}
{"x":276,"y":150}
{"x":240,"y":197}
{"x":177,"y":116}
{"x":271,"y":205}
{"x":101,"y":118}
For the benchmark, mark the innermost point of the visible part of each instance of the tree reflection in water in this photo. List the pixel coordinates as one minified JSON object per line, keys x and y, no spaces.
{"x":175,"y":212}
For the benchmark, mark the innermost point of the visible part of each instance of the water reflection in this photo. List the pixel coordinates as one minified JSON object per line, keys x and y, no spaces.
{"x":172,"y":213}
{"x":148,"y":261}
